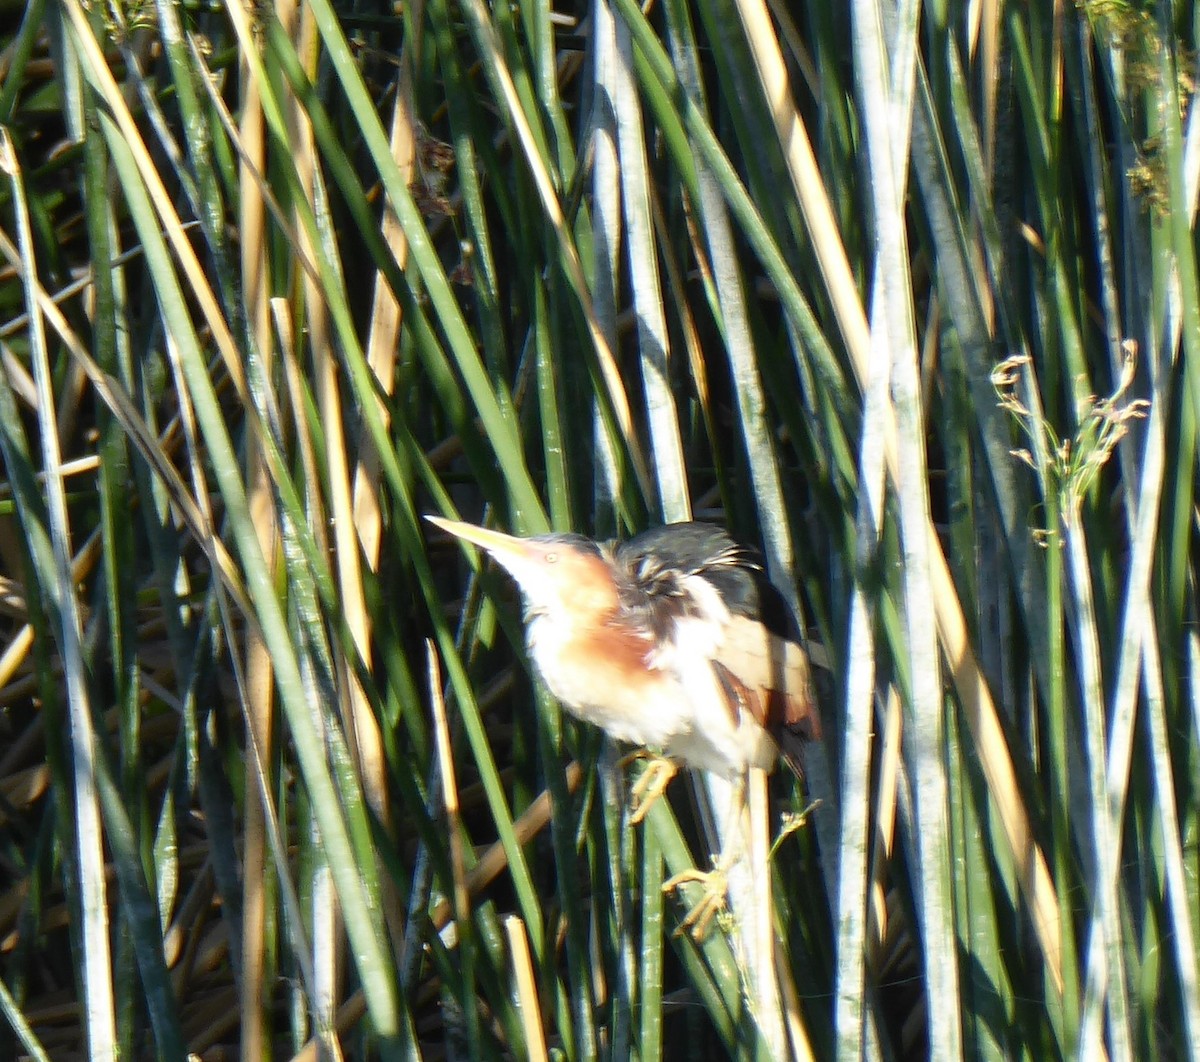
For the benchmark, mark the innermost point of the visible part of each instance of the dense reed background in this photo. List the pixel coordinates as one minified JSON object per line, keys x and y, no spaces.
{"x":904,"y":294}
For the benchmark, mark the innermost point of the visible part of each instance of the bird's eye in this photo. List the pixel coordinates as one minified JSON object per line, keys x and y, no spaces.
{"x":551,"y":558}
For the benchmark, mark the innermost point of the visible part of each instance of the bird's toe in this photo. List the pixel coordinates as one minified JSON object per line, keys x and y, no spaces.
{"x":711,"y":903}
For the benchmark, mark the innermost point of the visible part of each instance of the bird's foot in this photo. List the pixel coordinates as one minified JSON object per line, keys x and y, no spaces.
{"x":711,"y":902}
{"x":651,"y":785}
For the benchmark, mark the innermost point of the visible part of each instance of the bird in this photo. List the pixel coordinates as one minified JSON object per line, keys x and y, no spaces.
{"x":673,"y":640}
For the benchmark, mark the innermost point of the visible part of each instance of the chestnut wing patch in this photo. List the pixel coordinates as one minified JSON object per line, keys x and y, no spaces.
{"x":768,"y":677}
{"x":621,"y":651}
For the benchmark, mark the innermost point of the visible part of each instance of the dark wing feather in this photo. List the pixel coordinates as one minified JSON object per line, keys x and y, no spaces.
{"x":760,"y":664}
{"x":654,"y":561}
{"x":652,"y":567}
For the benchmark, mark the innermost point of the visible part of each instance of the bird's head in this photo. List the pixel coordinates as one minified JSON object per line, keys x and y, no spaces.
{"x":564,"y":576}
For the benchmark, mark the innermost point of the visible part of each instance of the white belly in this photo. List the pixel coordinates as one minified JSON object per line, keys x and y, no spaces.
{"x":639,"y":706}
{"x":719,"y":740}
{"x":676,"y":705}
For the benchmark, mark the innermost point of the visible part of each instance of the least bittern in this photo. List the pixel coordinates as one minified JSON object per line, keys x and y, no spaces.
{"x":674,"y":640}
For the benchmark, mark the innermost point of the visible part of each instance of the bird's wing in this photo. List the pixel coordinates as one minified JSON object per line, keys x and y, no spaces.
{"x":767,"y":676}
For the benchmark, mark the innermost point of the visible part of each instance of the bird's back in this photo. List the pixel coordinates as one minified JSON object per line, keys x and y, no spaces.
{"x":706,"y":600}
{"x":653,"y":559}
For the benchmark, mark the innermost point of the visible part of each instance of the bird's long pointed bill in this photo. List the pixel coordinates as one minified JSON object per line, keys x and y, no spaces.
{"x":498,"y":544}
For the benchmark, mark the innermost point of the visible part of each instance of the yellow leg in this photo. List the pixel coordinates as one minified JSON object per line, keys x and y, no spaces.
{"x":715,"y":881}
{"x":652,"y":784}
